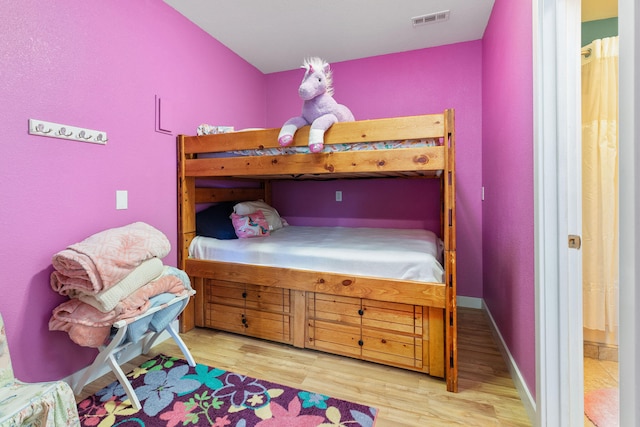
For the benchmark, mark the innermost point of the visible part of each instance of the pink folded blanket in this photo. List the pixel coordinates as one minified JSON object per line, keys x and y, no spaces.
{"x":89,"y":327}
{"x":105,"y":258}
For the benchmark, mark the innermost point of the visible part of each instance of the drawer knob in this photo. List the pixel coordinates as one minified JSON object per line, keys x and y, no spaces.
{"x":244,"y":295}
{"x":346,"y":282}
{"x":360,"y":343}
{"x":361,"y":312}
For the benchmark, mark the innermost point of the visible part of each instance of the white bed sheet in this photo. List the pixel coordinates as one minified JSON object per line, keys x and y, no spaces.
{"x":376,"y":252}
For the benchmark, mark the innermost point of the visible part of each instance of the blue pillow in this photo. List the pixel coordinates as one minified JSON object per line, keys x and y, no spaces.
{"x":215,"y":222}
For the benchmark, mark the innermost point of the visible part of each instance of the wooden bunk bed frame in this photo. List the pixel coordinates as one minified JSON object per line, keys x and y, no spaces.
{"x":413,"y":324}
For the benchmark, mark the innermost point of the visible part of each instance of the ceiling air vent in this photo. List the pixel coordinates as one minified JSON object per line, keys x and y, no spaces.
{"x":430,"y":18}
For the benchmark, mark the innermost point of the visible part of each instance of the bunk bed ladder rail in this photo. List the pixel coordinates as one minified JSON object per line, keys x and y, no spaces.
{"x":449,"y":194}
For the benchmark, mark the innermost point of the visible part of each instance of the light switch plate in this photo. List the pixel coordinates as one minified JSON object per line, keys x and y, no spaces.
{"x":122,"y":201}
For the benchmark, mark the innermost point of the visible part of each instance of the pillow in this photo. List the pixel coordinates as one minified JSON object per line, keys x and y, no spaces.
{"x":272,"y":216}
{"x":252,"y":225}
{"x":215,"y":222}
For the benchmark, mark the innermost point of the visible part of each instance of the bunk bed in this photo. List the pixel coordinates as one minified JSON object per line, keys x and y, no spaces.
{"x":408,"y":323}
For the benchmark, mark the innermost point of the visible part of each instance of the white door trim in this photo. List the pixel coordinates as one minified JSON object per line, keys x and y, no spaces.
{"x":629,"y":157}
{"x":558,"y":401}
{"x":557,"y":193}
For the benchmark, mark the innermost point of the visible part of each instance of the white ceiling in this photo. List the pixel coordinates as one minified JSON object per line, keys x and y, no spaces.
{"x":277,"y":35}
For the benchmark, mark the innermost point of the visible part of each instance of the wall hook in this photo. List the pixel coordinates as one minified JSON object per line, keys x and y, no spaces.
{"x":82,"y":134}
{"x":40,"y":128}
{"x":63,"y":132}
{"x":56,"y":130}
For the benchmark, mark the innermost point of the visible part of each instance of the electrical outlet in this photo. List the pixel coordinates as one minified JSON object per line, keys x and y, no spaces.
{"x":338,"y":196}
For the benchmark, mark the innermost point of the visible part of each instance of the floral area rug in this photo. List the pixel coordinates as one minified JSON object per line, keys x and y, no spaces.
{"x":174,"y":394}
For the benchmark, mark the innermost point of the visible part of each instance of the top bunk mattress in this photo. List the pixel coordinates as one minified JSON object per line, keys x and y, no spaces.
{"x":404,"y":254}
{"x":205,"y":129}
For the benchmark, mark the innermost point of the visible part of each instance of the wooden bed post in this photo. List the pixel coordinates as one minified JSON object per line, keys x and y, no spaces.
{"x":451,"y":321}
{"x":186,"y":227}
{"x":266,"y":186}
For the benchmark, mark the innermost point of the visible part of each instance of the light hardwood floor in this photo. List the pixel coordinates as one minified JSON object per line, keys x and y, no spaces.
{"x":486,"y":397}
{"x":599,"y":374}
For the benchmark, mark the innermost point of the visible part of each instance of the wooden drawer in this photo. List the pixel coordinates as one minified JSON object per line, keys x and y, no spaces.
{"x":271,"y":326}
{"x":333,"y":308}
{"x":228,"y":293}
{"x":224,"y":317}
{"x":392,"y":333}
{"x":334,"y":338}
{"x":391,"y":316}
{"x":392,"y":348}
{"x":379,"y":331}
{"x":253,"y":310}
{"x":267,"y":299}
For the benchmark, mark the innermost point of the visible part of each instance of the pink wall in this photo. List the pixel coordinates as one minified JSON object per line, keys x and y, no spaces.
{"x":507,"y":165}
{"x":417,"y":82}
{"x":393,"y":204}
{"x":97,"y":65}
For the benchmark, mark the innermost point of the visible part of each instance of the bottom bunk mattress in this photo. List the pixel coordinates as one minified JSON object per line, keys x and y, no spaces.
{"x":404,"y":254}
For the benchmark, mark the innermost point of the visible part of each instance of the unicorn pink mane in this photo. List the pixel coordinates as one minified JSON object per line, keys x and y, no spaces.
{"x":319,"y":109}
{"x":312,"y":64}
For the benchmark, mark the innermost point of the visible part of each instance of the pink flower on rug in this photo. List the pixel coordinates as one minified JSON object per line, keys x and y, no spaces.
{"x":92,"y":412}
{"x":221,"y":422}
{"x":177,"y":415}
{"x":290,"y":417}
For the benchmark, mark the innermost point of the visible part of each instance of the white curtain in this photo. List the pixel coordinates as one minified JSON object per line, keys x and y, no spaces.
{"x":600,"y":185}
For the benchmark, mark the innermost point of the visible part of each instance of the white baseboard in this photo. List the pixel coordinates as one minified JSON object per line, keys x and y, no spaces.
{"x":527,"y":399}
{"x":469,"y":302}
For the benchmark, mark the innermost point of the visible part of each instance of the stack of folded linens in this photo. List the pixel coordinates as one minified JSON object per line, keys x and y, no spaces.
{"x":116,"y":274}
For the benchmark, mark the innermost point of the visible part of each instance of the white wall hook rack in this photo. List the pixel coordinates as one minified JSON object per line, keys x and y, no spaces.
{"x":56,"y":130}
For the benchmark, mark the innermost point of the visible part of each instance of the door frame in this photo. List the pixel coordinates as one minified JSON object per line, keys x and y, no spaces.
{"x":629,"y":196}
{"x":558,"y":204}
{"x":559,"y":381}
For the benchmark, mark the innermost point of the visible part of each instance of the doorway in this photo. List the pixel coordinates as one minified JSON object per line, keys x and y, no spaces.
{"x":559,"y":376}
{"x":600,"y":278}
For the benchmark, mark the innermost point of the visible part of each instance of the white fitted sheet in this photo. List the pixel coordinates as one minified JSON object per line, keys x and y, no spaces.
{"x":375,"y":252}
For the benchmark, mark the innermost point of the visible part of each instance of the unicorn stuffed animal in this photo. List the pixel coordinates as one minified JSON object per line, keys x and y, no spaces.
{"x":319,"y":109}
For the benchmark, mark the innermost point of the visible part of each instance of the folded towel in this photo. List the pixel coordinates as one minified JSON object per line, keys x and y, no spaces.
{"x":108,"y":299}
{"x":105,"y":258}
{"x":89,"y":327}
